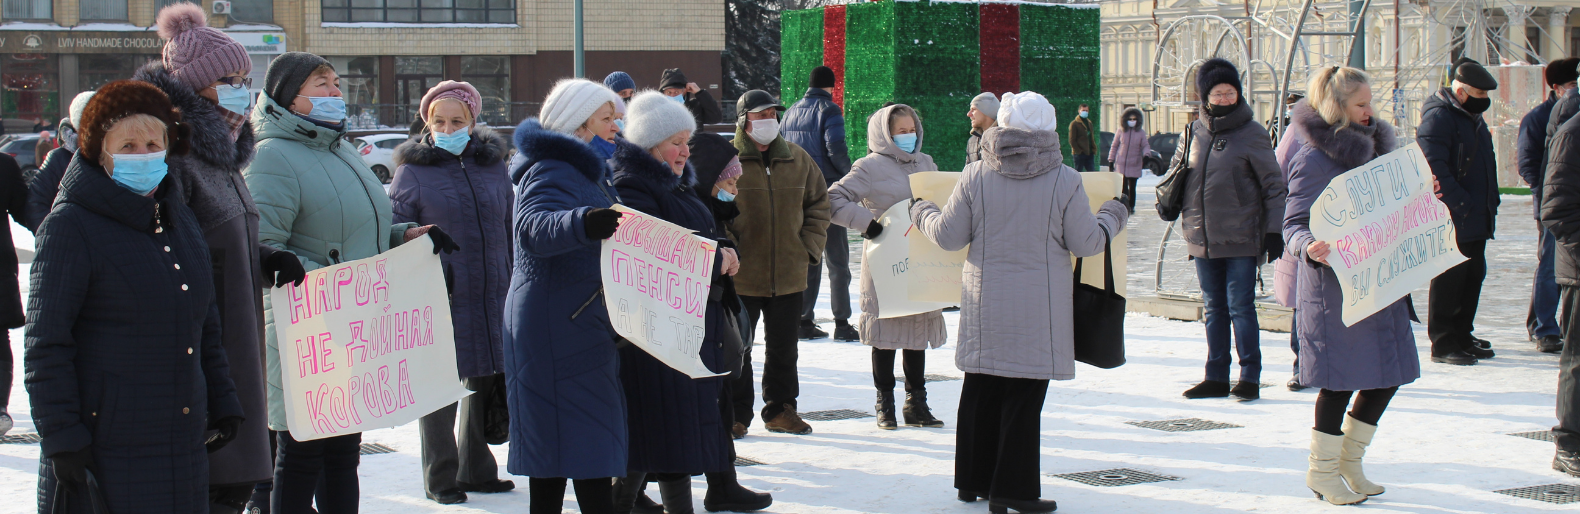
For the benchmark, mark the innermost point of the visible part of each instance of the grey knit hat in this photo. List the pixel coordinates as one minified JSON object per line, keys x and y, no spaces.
{"x":651,"y":118}
{"x":287,"y":74}
{"x":987,"y":104}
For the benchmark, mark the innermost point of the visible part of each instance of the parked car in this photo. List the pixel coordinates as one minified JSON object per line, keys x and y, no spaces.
{"x":1163,"y":146}
{"x":21,"y":147}
{"x":1102,"y":155}
{"x":378,"y":151}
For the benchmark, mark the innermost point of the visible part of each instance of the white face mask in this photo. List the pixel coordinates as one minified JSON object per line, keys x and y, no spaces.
{"x":764,"y":131}
{"x":1130,"y":122}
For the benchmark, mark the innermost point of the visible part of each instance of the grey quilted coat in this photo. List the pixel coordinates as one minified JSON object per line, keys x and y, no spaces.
{"x":1023,"y":212}
{"x":875,"y":183}
{"x":1235,"y":193}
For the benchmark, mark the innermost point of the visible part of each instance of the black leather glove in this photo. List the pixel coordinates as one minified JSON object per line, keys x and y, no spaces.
{"x":600,"y":223}
{"x":1123,"y":198}
{"x":283,"y":268}
{"x":72,"y":467}
{"x":873,"y":229}
{"x":1274,"y":243}
{"x":228,"y":427}
{"x":442,"y":241}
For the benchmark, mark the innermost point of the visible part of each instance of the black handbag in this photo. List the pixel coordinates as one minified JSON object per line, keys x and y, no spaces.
{"x":1171,"y":190}
{"x":732,"y":340}
{"x":65,"y":494}
{"x":1099,"y":317}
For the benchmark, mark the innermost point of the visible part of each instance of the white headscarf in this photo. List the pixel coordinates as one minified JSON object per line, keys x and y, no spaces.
{"x":1028,"y":111}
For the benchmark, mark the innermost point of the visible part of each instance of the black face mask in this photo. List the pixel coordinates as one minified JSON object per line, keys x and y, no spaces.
{"x":1219,"y":111}
{"x":1475,"y":105}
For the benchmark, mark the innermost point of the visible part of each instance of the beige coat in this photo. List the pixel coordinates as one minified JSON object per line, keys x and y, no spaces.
{"x":875,"y":183}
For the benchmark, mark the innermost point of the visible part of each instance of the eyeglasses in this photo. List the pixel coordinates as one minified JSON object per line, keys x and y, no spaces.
{"x":1223,"y":96}
{"x":236,"y":81}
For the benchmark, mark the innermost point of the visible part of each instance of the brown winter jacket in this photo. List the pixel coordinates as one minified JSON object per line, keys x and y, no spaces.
{"x":784,"y":217}
{"x":1081,"y":137}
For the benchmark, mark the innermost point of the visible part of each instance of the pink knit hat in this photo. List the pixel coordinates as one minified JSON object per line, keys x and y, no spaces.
{"x":195,"y":53}
{"x":454,"y":90}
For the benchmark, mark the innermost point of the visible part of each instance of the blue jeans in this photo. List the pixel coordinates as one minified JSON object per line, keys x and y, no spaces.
{"x":1228,"y":288}
{"x":1542,"y":320}
{"x":1085,"y":162}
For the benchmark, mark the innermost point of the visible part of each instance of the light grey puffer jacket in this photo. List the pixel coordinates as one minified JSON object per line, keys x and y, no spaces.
{"x":1023,"y":212}
{"x":875,"y":183}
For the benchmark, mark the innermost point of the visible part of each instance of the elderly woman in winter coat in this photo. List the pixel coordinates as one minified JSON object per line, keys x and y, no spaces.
{"x":1234,"y":206}
{"x":1129,"y":151}
{"x":126,"y":367}
{"x":875,"y":183}
{"x":1016,"y":330}
{"x":567,"y":409}
{"x":320,"y":202}
{"x":454,"y":176}
{"x":1374,"y":356}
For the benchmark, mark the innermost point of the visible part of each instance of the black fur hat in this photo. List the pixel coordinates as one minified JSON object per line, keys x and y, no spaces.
{"x":1217,"y":71}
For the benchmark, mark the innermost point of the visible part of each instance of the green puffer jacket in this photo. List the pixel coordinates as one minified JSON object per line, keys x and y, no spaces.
{"x":317,"y":199}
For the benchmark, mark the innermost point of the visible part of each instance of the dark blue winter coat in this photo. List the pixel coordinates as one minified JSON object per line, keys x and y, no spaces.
{"x":1458,"y":147}
{"x":567,"y":410}
{"x":677,"y":428}
{"x":41,"y":190}
{"x":817,"y":125}
{"x":469,"y":196}
{"x":1378,"y":351}
{"x":124,"y":352}
{"x":1531,"y":149}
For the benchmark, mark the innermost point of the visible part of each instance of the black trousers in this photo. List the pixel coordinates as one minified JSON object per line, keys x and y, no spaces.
{"x":322,"y":471}
{"x":1451,"y":304}
{"x":996,"y":446}
{"x":781,"y":317}
{"x":1130,"y":192}
{"x":914,"y":363}
{"x":1567,"y":433}
{"x":6,"y":365}
{"x":443,"y":462}
{"x":593,"y":495}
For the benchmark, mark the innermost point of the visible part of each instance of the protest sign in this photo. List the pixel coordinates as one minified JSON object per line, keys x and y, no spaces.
{"x":888,"y":261}
{"x":656,"y":280}
{"x":1388,"y":232}
{"x":366,"y":344}
{"x":1102,"y":186}
{"x":932,"y":273}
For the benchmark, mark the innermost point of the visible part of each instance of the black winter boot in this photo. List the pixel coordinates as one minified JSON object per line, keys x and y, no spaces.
{"x":1208,"y":389}
{"x":916,"y":412}
{"x":885,"y":409}
{"x":626,"y":489}
{"x":676,"y":495}
{"x":725,"y":493}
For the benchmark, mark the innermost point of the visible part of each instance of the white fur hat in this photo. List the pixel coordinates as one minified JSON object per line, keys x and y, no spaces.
{"x":1027,"y":110}
{"x":572,"y":102}
{"x":78,"y":104}
{"x":651,"y":118}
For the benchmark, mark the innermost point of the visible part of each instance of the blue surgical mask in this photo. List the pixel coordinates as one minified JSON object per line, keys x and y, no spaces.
{"x":679,"y":99}
{"x":139,"y":172}
{"x":906,"y":142}
{"x":328,"y":109}
{"x":1083,"y":114}
{"x":453,"y":142}
{"x":620,"y":123}
{"x":236,"y":99}
{"x":604,"y":148}
{"x":725,"y":196}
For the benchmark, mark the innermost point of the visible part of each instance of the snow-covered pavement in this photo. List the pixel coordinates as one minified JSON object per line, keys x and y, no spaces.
{"x":1441,"y":448}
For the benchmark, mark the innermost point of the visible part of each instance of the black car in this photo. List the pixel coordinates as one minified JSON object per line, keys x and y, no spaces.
{"x":1108,"y":142}
{"x":1163,"y":146}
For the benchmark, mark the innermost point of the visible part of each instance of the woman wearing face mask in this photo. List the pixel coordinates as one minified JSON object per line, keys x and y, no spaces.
{"x":567,"y":409}
{"x":204,"y":72}
{"x":320,"y":202}
{"x":454,"y":176}
{"x":125,"y":365}
{"x":1129,"y":150}
{"x":1232,"y":219}
{"x":875,"y":183}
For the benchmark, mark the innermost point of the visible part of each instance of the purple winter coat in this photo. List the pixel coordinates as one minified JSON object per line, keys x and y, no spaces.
{"x":1130,"y":147}
{"x":1378,"y":351}
{"x":1285,"y":267}
{"x":470,"y":197}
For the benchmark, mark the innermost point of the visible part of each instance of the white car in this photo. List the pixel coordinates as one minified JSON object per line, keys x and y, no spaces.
{"x":378,"y":151}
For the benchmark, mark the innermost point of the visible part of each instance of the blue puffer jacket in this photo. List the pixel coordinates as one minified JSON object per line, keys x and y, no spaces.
{"x":567,"y":411}
{"x":1458,"y":146}
{"x":818,"y":126}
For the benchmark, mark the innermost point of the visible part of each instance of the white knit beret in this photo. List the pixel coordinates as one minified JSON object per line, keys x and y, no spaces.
{"x":651,"y":118}
{"x":1027,"y":110}
{"x":78,"y":104}
{"x":572,"y":102}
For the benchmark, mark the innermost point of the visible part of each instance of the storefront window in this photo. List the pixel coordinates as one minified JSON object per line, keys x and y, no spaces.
{"x":27,"y":86}
{"x":102,"y":10}
{"x":27,"y":10}
{"x":359,"y":78}
{"x":491,"y":77}
{"x":95,"y":70}
{"x":420,"y":11}
{"x":251,"y":11}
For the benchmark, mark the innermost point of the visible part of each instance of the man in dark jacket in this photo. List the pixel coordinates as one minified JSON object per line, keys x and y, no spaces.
{"x":1560,"y":215}
{"x":984,"y":115}
{"x":703,"y":107}
{"x":1459,"y":149}
{"x":817,"y":125}
{"x":1541,"y":320}
{"x":1081,"y":145}
{"x":12,"y":197}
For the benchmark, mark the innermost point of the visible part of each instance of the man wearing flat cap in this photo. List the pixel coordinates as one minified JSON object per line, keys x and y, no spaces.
{"x":1541,"y":320}
{"x":1458,"y":146}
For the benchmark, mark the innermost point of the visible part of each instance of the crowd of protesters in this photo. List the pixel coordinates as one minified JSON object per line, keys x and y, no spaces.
{"x":178,"y":197}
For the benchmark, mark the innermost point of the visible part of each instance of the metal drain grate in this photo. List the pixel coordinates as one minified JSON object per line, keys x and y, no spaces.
{"x":375,"y":449}
{"x":28,"y":438}
{"x":834,"y":415}
{"x":1116,"y":477}
{"x":1182,"y":425}
{"x":1539,"y":435}
{"x":939,"y":378}
{"x":747,"y":461}
{"x":1550,"y":493}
